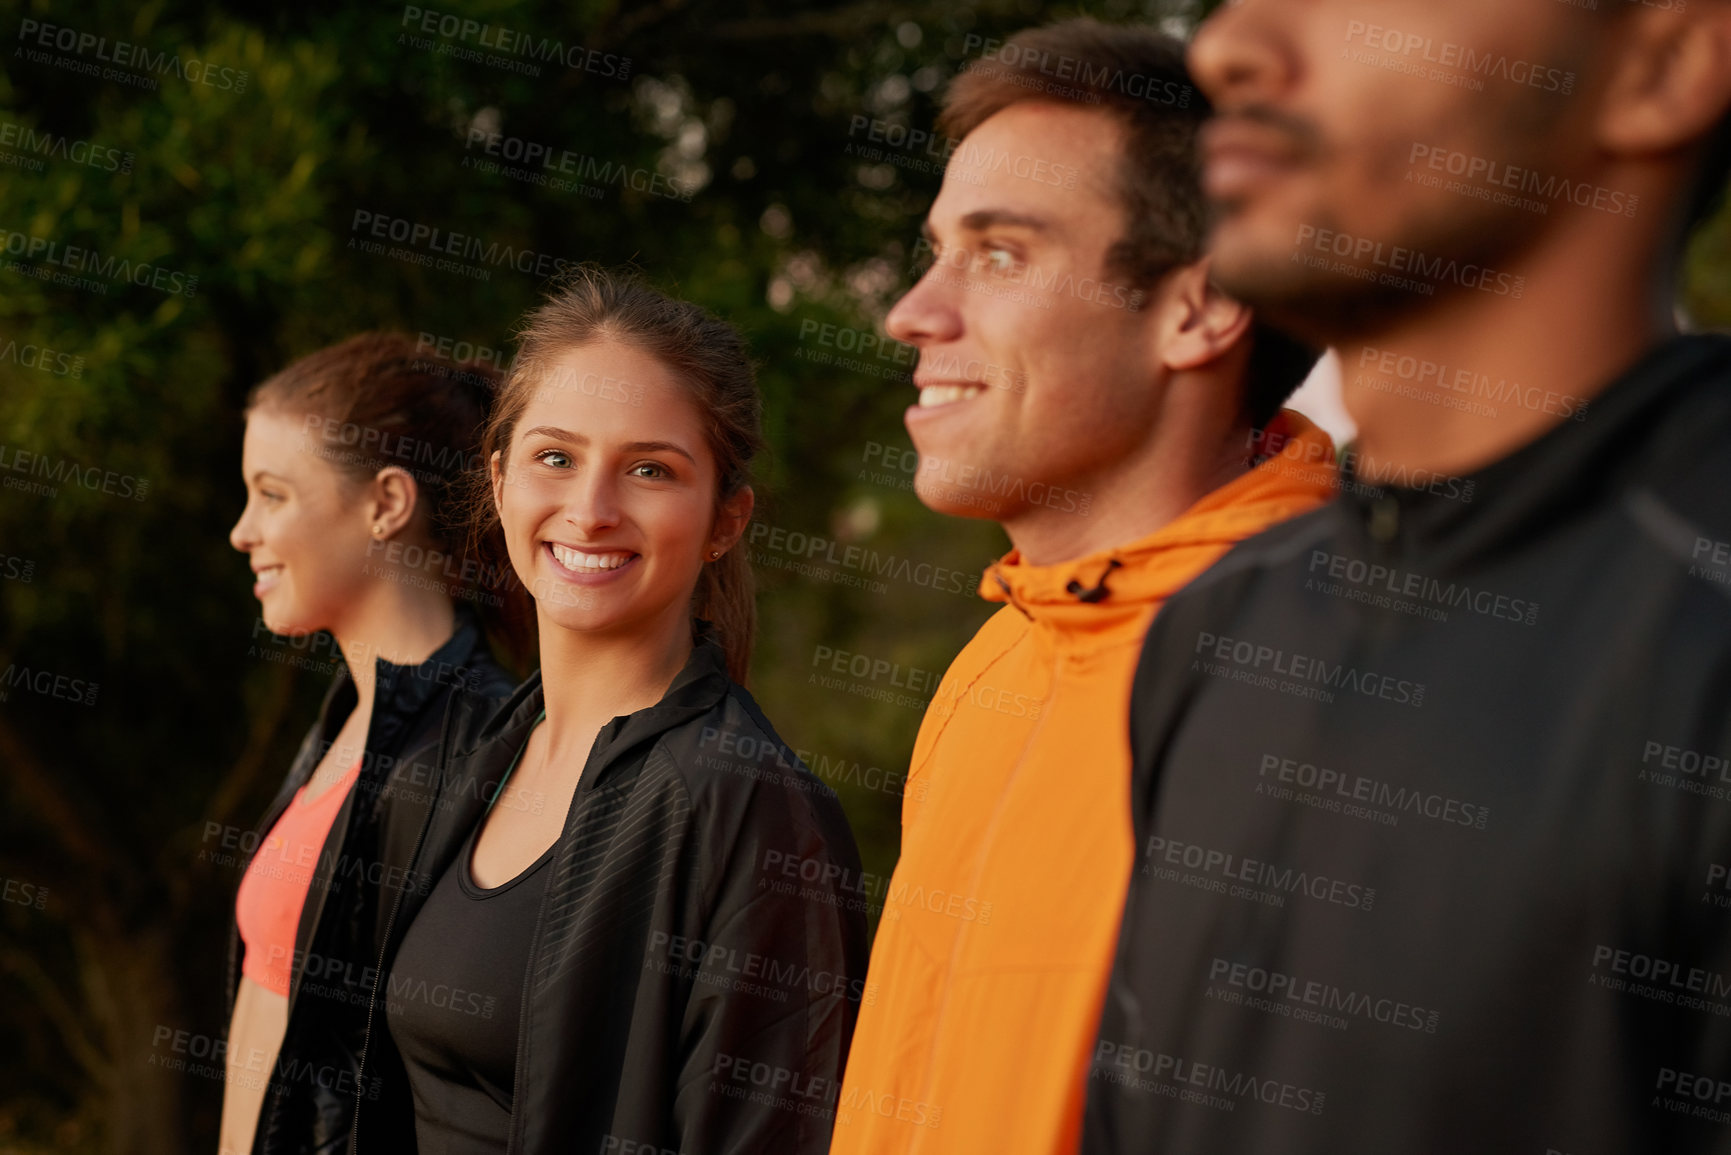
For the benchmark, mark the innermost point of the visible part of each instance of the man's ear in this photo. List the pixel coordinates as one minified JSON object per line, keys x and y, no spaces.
{"x":1200,"y":323}
{"x":1670,"y":79}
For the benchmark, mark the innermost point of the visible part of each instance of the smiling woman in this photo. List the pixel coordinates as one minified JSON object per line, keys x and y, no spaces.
{"x":612,"y":374}
{"x":351,"y":461}
{"x":607,"y":865}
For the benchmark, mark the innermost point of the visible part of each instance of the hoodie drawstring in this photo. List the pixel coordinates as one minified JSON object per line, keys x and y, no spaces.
{"x":1099,"y":590}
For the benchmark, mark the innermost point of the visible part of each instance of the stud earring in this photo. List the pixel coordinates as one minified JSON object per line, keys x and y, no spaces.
{"x":713,"y":554}
{"x":377,"y":530}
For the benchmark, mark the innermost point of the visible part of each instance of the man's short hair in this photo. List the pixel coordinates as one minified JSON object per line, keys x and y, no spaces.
{"x":1137,"y":76}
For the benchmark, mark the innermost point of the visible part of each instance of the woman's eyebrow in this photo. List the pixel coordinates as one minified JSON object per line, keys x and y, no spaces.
{"x":633,"y":446}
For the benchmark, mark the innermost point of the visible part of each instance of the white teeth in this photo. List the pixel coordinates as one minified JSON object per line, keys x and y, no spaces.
{"x":580,"y":562}
{"x":933,"y":395}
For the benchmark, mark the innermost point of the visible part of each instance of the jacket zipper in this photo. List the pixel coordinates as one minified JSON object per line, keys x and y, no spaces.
{"x":385,"y":941}
{"x":522,"y":1060}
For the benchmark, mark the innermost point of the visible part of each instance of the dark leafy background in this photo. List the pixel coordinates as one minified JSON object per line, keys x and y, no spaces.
{"x":789,"y":227}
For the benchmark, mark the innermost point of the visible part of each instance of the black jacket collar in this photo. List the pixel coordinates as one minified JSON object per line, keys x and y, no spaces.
{"x":481,"y":723}
{"x":399,"y":691}
{"x":1633,"y":422}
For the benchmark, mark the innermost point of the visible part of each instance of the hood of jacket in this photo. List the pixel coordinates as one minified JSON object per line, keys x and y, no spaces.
{"x":1097,"y":596}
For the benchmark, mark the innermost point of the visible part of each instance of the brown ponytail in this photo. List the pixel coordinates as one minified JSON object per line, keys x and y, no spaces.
{"x":591,"y":304}
{"x":380,"y":401}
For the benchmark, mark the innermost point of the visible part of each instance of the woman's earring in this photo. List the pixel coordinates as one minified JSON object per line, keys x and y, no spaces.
{"x":713,"y":554}
{"x":377,"y":530}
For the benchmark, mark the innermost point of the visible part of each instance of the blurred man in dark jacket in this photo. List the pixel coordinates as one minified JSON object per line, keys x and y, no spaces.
{"x":1433,"y":785}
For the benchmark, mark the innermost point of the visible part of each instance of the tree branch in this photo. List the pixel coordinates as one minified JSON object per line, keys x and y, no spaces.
{"x":52,"y":809}
{"x":261,"y":733}
{"x":59,"y":1011}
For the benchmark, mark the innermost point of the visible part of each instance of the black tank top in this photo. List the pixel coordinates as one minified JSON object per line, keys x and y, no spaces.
{"x":454,"y":999}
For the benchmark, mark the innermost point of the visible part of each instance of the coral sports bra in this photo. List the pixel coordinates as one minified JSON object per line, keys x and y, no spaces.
{"x":267,"y":908}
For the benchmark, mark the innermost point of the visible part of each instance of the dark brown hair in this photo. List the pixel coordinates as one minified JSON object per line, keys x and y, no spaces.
{"x":591,"y":304}
{"x":1137,"y":76}
{"x":381,"y":401}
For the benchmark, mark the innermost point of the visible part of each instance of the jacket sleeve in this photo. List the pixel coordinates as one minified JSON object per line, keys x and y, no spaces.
{"x":1701,"y":1077}
{"x":775,"y":997}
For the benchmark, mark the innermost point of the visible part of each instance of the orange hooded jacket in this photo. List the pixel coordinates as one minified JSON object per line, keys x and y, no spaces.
{"x":999,"y":927}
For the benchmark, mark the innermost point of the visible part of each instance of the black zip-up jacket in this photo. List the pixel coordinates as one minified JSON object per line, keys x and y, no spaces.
{"x":309,"y":1106}
{"x":700,"y":952}
{"x":1432,"y":794}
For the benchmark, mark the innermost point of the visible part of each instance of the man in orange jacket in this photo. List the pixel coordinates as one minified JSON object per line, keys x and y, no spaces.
{"x":1085,"y":385}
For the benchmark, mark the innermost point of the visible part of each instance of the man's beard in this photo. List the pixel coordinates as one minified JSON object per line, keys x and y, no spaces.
{"x":1330,"y":307}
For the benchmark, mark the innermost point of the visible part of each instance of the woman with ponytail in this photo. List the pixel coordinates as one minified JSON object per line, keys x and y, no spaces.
{"x":645,"y":927}
{"x":353,"y":461}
